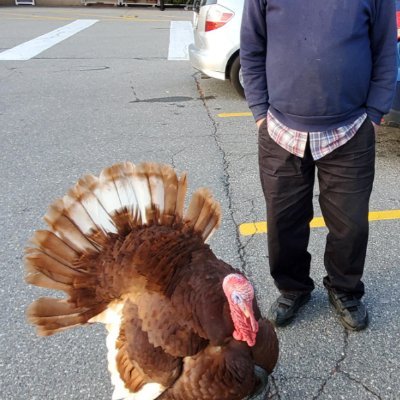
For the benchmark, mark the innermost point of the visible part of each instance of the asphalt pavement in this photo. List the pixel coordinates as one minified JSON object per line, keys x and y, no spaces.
{"x":110,"y":94}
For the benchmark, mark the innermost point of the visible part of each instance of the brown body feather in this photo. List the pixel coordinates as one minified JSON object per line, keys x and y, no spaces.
{"x":123,"y":238}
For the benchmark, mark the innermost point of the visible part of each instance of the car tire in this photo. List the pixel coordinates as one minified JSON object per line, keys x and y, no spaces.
{"x":234,"y":76}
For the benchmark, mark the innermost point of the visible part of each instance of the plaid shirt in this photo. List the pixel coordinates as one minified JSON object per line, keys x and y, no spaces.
{"x":321,"y":143}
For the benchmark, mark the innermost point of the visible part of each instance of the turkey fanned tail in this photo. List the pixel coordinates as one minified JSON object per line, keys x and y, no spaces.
{"x":88,"y":227}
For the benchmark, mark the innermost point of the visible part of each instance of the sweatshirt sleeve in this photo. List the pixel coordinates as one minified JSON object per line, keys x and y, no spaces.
{"x":253,"y":51}
{"x":383,"y":38}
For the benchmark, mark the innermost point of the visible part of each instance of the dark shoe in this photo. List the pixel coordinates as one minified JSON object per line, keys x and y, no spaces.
{"x":351,"y":310}
{"x":286,"y":306}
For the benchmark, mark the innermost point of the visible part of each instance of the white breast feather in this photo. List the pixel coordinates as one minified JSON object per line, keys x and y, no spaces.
{"x":111,"y":317}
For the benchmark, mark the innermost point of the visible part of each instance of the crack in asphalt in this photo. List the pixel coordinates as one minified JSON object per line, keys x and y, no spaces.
{"x":273,"y":393}
{"x":172,"y":100}
{"x":136,"y":98}
{"x":226,"y":180}
{"x":82,"y":68}
{"x":319,"y":285}
{"x":173,"y":163}
{"x":301,"y":377}
{"x":336,"y":369}
{"x":251,"y":214}
{"x":367,"y":389}
{"x":167,"y":99}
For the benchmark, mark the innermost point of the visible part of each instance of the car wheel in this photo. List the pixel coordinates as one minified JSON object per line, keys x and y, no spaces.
{"x":235,"y":76}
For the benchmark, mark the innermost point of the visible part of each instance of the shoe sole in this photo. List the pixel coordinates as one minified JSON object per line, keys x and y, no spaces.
{"x":287,"y":321}
{"x":343,"y":322}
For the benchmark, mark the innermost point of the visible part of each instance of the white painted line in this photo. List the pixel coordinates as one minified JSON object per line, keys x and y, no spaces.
{"x":180,"y":36}
{"x":27,"y":50}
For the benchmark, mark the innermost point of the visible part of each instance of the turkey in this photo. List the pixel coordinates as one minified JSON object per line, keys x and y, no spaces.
{"x":182,"y":324}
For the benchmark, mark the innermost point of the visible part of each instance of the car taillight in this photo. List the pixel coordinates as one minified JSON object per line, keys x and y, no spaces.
{"x":217,"y":16}
{"x":398,"y":24}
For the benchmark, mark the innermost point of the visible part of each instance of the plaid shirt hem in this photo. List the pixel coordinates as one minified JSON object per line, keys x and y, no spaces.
{"x":321,"y":143}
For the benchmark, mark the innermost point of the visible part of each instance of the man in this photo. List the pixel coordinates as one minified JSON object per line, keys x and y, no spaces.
{"x":318,"y":76}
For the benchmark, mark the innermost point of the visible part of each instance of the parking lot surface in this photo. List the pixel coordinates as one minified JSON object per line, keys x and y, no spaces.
{"x":110,"y":93}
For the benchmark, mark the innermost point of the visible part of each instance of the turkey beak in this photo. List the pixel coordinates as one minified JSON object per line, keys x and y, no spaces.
{"x":248,"y":313}
{"x":245,"y":310}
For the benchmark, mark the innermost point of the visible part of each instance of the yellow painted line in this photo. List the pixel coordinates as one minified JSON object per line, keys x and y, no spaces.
{"x":36,"y":17}
{"x":251,"y":228}
{"x":381,"y":215}
{"x":238,"y":114}
{"x":128,"y":14}
{"x":146,"y":20}
{"x":317,"y":222}
{"x":125,"y":18}
{"x":30,"y":19}
{"x":106,"y":19}
{"x":121,"y":17}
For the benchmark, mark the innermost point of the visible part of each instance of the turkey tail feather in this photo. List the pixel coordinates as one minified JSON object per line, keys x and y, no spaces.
{"x":89,"y":219}
{"x":53,"y":315}
{"x":204,"y":213}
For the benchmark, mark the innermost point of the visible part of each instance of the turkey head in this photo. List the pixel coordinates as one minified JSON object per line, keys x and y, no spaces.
{"x":240,"y":295}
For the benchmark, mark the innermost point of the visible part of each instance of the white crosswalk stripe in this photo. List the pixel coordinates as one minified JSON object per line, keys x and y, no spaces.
{"x":181,"y":36}
{"x":32,"y":48}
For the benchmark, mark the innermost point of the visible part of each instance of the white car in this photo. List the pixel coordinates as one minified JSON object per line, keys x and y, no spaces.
{"x":215,"y":50}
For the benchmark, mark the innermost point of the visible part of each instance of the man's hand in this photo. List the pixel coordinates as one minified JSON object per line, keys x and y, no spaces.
{"x":259,"y":122}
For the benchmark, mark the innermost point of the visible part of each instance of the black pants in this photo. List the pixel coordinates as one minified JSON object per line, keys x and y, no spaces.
{"x":345,"y":180}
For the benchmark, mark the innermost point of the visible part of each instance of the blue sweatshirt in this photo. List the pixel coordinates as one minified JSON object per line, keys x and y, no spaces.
{"x":319,"y":64}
